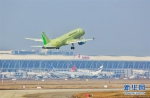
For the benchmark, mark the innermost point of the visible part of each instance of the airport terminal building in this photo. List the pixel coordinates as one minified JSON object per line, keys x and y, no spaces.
{"x":120,"y":65}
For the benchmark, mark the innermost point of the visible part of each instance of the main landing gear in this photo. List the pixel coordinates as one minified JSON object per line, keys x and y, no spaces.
{"x":57,"y":48}
{"x":72,"y":47}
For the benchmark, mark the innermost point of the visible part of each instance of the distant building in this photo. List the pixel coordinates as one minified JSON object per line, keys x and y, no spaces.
{"x":24,"y":52}
{"x":6,"y":52}
{"x":33,"y":52}
{"x":119,"y":65}
{"x":60,"y":53}
{"x":71,"y":53}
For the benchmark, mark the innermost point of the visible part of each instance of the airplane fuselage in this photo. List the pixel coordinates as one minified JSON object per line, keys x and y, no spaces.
{"x":62,"y":40}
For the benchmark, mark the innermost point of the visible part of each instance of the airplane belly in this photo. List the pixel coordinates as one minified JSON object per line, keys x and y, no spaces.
{"x":57,"y":43}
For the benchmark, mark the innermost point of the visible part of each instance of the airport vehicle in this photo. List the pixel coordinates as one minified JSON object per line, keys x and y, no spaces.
{"x":69,"y":38}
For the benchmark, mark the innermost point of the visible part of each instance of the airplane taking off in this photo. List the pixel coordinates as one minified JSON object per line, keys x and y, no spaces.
{"x":69,"y":38}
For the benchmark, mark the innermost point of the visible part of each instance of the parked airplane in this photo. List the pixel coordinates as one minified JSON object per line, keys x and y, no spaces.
{"x":106,"y":73}
{"x":80,"y":74}
{"x":86,"y":70}
{"x":132,"y":77}
{"x":141,"y":72}
{"x":73,"y":69}
{"x":70,"y":38}
{"x":61,"y":74}
{"x":87,"y":74}
{"x":97,"y":72}
{"x":109,"y":74}
{"x":52,"y":69}
{"x":138,"y":73}
{"x":83,"y":70}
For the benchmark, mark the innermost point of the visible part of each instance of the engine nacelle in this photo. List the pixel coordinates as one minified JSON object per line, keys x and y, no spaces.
{"x":81,"y":43}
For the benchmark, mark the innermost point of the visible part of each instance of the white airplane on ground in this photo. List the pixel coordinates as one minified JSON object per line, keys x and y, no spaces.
{"x":141,"y":72}
{"x":61,"y":74}
{"x":132,"y":77}
{"x":137,"y":73}
{"x":86,"y":70}
{"x":83,"y":70}
{"x":109,"y":74}
{"x":79,"y":74}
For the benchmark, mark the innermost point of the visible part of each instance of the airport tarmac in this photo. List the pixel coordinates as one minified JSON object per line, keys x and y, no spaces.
{"x":61,"y":88}
{"x":53,"y":93}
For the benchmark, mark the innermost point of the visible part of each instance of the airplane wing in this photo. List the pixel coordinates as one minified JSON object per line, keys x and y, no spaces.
{"x":79,"y":40}
{"x":35,"y":39}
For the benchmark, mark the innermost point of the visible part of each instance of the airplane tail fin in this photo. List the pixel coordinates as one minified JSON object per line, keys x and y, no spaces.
{"x":45,"y":38}
{"x":52,"y":68}
{"x":100,"y":69}
{"x":73,"y":69}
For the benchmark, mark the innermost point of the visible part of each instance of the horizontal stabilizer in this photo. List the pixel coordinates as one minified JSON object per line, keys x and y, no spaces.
{"x":37,"y":46}
{"x":34,"y":39}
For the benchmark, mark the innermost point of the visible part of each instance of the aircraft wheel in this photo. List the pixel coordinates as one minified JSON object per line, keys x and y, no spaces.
{"x":72,"y":47}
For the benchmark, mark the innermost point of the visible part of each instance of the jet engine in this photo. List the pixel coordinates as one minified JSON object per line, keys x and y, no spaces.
{"x":81,"y":43}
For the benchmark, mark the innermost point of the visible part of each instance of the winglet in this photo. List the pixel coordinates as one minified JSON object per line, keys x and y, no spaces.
{"x":93,"y":38}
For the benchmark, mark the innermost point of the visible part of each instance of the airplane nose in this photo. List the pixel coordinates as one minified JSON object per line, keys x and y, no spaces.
{"x":83,"y":32}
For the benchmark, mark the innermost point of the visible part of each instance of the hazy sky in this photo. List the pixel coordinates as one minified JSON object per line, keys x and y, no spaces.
{"x":120,"y":27}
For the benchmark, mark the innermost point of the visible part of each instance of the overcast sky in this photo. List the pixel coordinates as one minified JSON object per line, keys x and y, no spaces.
{"x":120,"y":27}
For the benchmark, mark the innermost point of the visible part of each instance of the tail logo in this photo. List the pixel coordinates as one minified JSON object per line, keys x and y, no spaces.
{"x":73,"y":69}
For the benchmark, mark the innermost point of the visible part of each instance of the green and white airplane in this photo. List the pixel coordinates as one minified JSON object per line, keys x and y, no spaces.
{"x":69,"y":38}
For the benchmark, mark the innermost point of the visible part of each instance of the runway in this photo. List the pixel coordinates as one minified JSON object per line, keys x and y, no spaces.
{"x":52,"y":93}
{"x":61,"y":88}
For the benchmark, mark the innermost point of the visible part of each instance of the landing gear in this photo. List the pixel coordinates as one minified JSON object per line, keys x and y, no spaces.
{"x":57,"y":48}
{"x":72,"y":47}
